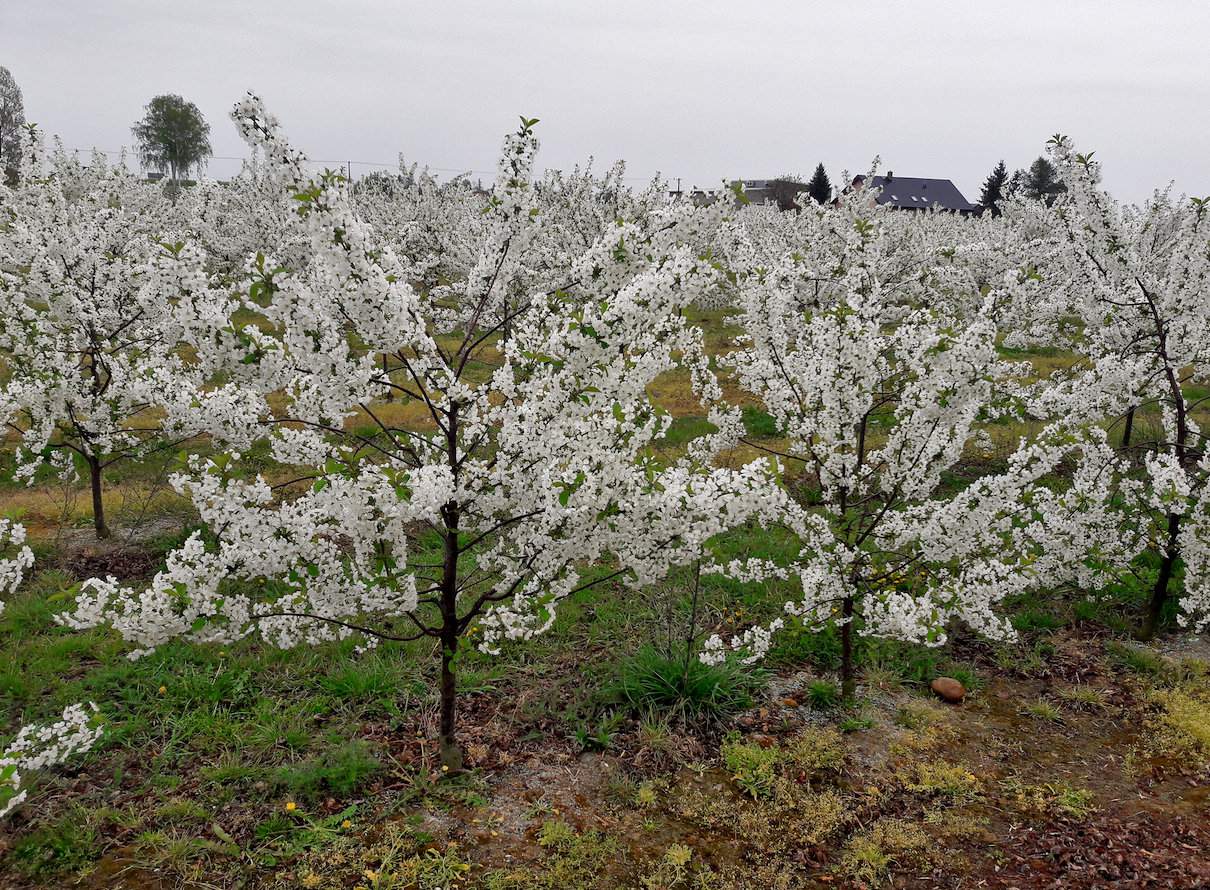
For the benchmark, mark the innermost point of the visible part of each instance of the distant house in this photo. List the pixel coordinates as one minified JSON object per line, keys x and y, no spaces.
{"x":901,"y":192}
{"x":917,"y":193}
{"x":757,"y":191}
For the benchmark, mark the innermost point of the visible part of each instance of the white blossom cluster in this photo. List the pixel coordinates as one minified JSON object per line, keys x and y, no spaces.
{"x":111,"y":333}
{"x":41,"y":746}
{"x":16,"y":558}
{"x":877,"y":371}
{"x":456,"y":387}
{"x":525,"y":475}
{"x":36,"y":746}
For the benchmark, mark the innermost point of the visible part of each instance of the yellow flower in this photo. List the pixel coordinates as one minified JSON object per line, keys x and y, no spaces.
{"x":444,"y":768}
{"x":291,"y":806}
{"x":346,"y":824}
{"x":163,"y":689}
{"x":371,"y":874}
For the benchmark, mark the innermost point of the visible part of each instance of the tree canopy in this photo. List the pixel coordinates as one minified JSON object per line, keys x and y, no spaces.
{"x":993,"y":189}
{"x":12,"y":118}
{"x":785,"y":190}
{"x":820,"y":187}
{"x":1042,"y":181}
{"x":173,"y":137}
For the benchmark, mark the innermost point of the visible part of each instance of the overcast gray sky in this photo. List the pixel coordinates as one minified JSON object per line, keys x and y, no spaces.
{"x":701,"y":90}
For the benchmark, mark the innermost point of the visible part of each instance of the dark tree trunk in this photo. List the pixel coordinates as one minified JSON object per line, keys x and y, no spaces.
{"x":451,"y":753}
{"x":98,"y":504}
{"x":1128,"y":428}
{"x":848,"y":682}
{"x":1159,"y":593}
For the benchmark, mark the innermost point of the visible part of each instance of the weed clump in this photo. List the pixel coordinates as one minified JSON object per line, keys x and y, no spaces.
{"x":823,"y":694}
{"x":939,"y":777}
{"x":63,"y":847}
{"x":752,"y":767}
{"x":1051,"y":798}
{"x":572,"y":861}
{"x":870,"y":855}
{"x":653,"y":682}
{"x":342,"y":770}
{"x":817,"y":750}
{"x":1180,"y":727}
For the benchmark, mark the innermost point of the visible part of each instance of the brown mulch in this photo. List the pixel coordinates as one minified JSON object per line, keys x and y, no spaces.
{"x":1139,"y":851}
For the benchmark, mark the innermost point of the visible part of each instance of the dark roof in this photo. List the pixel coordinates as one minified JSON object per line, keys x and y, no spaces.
{"x":916,"y":193}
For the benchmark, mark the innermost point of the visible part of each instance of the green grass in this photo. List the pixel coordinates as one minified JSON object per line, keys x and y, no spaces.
{"x":65,"y":846}
{"x":823,"y":694}
{"x":1136,"y":660}
{"x":238,"y":731}
{"x":652,"y":682}
{"x":684,"y":430}
{"x":759,"y":423}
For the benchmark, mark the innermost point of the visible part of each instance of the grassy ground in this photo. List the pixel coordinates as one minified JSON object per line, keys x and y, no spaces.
{"x":250,"y":767}
{"x":1077,"y":760}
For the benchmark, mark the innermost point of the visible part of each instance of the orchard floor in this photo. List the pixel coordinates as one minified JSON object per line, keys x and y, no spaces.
{"x":1077,"y":760}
